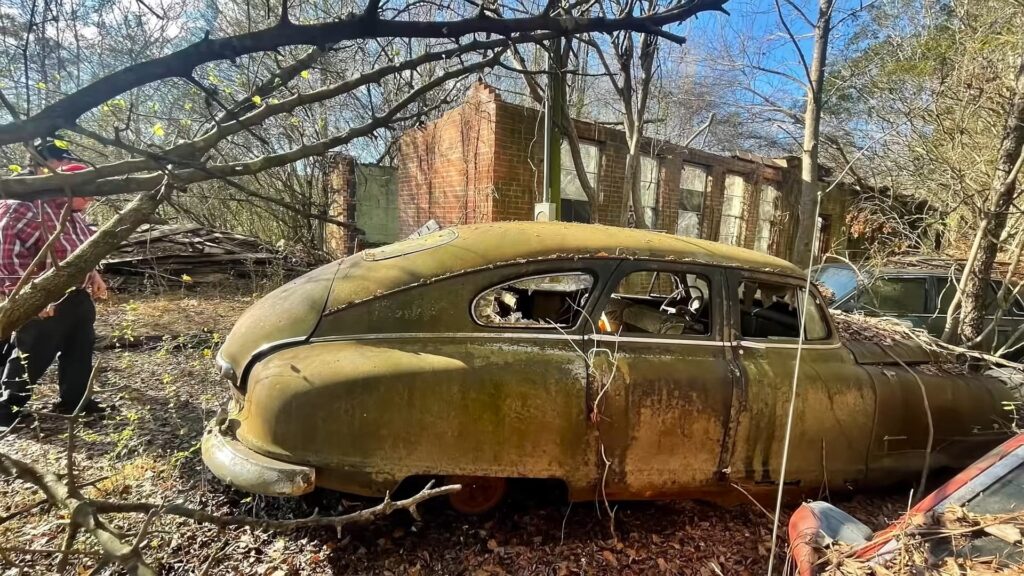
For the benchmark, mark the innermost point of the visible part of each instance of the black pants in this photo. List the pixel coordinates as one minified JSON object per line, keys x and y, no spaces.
{"x":68,"y":336}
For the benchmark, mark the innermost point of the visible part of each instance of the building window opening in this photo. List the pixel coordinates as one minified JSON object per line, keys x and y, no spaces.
{"x":733,"y":204}
{"x":768,"y":209}
{"x":648,"y":183}
{"x":574,"y":204}
{"x":693,"y":184}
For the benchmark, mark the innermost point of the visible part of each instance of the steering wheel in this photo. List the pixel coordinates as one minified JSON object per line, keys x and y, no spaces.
{"x":693,"y":309}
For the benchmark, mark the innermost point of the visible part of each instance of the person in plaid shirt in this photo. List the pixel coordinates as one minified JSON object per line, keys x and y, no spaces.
{"x":64,"y":331}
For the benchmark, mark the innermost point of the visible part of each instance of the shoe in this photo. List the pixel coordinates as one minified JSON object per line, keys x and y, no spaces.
{"x":7,"y":419}
{"x":10,"y":418}
{"x":91,"y":407}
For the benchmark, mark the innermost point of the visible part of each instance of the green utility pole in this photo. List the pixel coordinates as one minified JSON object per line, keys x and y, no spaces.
{"x":553,"y":111}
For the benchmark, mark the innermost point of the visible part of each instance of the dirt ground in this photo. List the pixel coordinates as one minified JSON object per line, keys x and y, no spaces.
{"x":147,"y":450}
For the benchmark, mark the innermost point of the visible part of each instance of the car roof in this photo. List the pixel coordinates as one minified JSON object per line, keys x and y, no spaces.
{"x":891,"y":270}
{"x":464,"y":248}
{"x":500,"y":241}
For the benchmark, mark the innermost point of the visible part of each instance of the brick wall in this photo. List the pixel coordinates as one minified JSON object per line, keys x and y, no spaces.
{"x":446,"y":167}
{"x":341,"y":192}
{"x":483,"y":162}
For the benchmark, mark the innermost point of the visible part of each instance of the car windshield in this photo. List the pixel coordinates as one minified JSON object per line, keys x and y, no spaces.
{"x":839,"y":279}
{"x":1004,"y":496}
{"x":1001,"y":499}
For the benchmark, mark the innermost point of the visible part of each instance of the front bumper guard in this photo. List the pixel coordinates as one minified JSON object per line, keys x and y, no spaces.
{"x":242,"y":468}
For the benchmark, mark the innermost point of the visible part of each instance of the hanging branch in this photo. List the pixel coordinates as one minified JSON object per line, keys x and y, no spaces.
{"x":367,"y":25}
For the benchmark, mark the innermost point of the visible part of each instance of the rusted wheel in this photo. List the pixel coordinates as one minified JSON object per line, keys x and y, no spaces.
{"x":479,"y":494}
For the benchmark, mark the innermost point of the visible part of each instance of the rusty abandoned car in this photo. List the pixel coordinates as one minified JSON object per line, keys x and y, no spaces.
{"x":626,"y":364}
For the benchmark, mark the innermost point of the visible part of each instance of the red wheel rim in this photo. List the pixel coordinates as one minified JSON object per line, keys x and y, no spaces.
{"x":479,"y":494}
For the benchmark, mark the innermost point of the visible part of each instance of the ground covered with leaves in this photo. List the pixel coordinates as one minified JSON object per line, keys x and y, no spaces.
{"x":147,"y":449}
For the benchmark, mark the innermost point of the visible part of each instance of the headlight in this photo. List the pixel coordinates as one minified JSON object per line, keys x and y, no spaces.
{"x":226,"y":371}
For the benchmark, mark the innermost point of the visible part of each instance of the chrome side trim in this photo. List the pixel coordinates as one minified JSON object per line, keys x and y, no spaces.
{"x":594,"y":337}
{"x":831,"y":346}
{"x":483,"y":335}
{"x":617,"y":338}
{"x":260,"y":353}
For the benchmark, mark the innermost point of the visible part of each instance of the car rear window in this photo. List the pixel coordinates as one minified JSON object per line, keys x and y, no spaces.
{"x":841,"y":281}
{"x":771,"y":311}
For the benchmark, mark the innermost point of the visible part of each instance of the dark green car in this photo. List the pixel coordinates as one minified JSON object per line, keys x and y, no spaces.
{"x":919,"y":298}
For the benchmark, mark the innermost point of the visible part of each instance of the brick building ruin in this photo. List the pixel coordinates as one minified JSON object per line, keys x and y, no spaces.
{"x":483,"y":162}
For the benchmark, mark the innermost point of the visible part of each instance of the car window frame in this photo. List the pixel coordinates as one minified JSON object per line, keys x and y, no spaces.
{"x":930,"y":295}
{"x":716,"y":279}
{"x":1014,"y":310}
{"x":595,"y":287}
{"x":739,"y":275}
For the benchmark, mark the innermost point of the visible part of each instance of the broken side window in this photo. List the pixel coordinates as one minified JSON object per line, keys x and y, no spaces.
{"x":550,"y":300}
{"x":769,"y":310}
{"x":659,"y":302}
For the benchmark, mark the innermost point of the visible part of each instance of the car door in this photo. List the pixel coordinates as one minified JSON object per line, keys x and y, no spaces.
{"x":662,"y":384}
{"x":488,"y":376}
{"x":834,"y":409}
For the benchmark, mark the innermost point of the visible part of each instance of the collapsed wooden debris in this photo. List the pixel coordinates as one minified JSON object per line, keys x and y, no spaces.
{"x":173,"y":255}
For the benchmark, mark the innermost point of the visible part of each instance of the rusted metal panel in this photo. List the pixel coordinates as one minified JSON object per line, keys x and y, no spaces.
{"x":906,"y":352}
{"x":291,"y":311}
{"x":368,"y":414}
{"x":663,"y":416}
{"x":833,"y":417}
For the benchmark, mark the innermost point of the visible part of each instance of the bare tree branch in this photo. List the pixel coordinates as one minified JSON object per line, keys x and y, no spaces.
{"x":65,"y":111}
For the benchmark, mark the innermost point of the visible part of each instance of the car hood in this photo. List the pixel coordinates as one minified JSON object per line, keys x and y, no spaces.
{"x":289,"y":313}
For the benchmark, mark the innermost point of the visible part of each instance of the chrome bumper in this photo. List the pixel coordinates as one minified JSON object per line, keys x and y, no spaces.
{"x":242,"y":468}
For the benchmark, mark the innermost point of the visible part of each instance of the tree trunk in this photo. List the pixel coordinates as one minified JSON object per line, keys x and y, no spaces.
{"x":803,"y":245}
{"x":631,"y":192}
{"x":1003,"y":195}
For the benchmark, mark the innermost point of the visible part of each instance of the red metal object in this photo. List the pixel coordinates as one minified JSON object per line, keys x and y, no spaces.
{"x":803,"y":528}
{"x":804,"y":525}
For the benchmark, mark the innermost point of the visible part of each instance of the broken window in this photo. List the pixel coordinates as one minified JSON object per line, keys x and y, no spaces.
{"x":734,"y":203}
{"x":551,"y":300}
{"x":768,"y":208}
{"x":571,"y":187}
{"x":659,"y":302}
{"x":693,"y":183}
{"x":769,"y":310}
{"x":649,"y":177}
